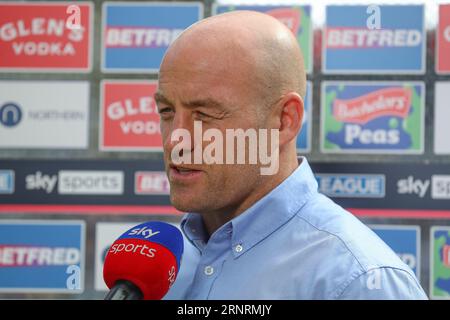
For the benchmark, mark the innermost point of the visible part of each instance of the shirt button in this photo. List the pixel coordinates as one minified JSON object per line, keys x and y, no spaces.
{"x":209,"y":270}
{"x":238,"y":248}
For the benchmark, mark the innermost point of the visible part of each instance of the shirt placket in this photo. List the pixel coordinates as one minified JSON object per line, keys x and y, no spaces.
{"x":210,"y":266}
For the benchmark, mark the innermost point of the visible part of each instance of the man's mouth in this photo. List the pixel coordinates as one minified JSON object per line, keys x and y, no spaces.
{"x":183,"y":173}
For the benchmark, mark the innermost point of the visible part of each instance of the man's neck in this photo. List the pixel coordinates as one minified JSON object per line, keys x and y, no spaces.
{"x":213,"y":220}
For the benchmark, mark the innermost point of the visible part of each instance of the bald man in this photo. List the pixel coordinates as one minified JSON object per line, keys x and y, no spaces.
{"x":251,"y":235}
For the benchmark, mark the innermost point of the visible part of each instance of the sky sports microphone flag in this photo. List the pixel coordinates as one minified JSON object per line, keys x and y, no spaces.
{"x":374,"y":39}
{"x":143,"y":262}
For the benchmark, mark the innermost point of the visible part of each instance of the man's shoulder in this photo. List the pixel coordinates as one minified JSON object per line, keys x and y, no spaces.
{"x":351,"y":251}
{"x":327,"y":219}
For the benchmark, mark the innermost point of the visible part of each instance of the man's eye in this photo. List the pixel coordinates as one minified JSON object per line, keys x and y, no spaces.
{"x":165,"y":111}
{"x":202,"y":115}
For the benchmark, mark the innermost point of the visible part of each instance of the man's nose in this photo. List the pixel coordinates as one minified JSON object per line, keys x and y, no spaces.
{"x":181,"y":133}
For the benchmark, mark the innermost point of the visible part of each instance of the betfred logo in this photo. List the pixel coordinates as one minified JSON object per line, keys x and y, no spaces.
{"x":387,"y":39}
{"x":45,"y":36}
{"x":149,"y":182}
{"x":136,"y":35}
{"x":129,"y":116}
{"x":344,"y":38}
{"x":27,"y":256}
{"x":42,"y":256}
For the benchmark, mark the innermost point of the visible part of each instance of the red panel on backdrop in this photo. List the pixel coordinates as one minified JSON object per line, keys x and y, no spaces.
{"x":443,"y":40}
{"x":45,"y":36}
{"x":130,"y":119}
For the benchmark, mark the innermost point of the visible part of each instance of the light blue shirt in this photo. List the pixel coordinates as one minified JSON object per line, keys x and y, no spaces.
{"x":294,"y":243}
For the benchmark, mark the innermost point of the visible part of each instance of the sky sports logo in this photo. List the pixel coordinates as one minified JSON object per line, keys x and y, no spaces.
{"x":6,"y":181}
{"x":352,"y":185}
{"x":439,"y":185}
{"x":77,"y":182}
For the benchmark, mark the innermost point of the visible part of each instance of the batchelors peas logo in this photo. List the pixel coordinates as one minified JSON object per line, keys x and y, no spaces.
{"x":10,"y":114}
{"x":373,"y":118}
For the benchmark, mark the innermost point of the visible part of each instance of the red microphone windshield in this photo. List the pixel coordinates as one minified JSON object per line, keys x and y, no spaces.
{"x":148,"y":265}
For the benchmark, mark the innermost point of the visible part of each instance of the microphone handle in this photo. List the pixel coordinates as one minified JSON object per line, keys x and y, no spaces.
{"x":124,"y":290}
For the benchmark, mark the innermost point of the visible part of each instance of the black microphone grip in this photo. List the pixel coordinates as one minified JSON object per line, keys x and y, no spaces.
{"x":124,"y":290}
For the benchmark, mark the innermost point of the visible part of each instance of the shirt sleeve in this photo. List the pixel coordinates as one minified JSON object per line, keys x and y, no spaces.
{"x":383,"y":283}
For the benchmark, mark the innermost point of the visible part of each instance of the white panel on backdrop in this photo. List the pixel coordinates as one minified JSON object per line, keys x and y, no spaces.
{"x":44,"y":114}
{"x":442,"y":118}
{"x":105,"y":234}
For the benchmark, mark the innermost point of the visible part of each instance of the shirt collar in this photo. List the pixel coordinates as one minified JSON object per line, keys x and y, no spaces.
{"x":264,"y":217}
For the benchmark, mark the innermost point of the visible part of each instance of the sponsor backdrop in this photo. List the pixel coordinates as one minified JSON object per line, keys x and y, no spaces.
{"x":129,"y":116}
{"x":45,"y":36}
{"x":405,"y":241}
{"x":354,"y":43}
{"x":441,"y":117}
{"x":80,"y":147}
{"x":136,"y":34}
{"x":296,"y":18}
{"x":372,"y":117}
{"x":33,"y":116}
{"x":304,"y":138}
{"x":46,"y":256}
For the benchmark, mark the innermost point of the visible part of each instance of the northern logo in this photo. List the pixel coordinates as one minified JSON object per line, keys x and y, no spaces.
{"x":10,"y":114}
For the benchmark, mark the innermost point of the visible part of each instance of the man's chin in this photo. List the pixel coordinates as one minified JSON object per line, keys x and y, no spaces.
{"x":186,"y":204}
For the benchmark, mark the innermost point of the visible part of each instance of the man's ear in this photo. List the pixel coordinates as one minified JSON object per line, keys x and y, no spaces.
{"x":291,"y":117}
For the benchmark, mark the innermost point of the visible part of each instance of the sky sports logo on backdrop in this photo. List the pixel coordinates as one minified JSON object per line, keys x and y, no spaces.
{"x":80,"y":182}
{"x":438,"y":185}
{"x":374,"y":39}
{"x":136,"y":35}
{"x":340,"y":185}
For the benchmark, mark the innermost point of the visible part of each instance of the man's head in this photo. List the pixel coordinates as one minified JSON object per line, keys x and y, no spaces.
{"x":236,"y":70}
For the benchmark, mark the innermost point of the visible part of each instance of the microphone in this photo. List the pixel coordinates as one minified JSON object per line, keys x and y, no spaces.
{"x":143,"y":262}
